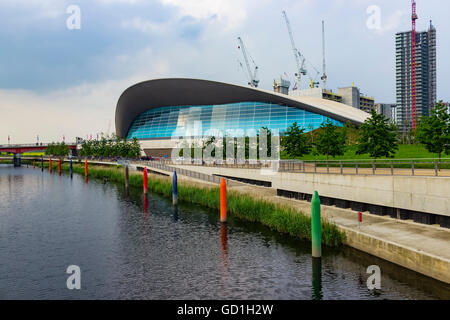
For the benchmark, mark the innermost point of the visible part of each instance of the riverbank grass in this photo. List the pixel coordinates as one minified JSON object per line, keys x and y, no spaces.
{"x":281,"y":218}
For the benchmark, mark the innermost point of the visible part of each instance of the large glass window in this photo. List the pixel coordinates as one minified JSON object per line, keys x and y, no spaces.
{"x":178,"y":121}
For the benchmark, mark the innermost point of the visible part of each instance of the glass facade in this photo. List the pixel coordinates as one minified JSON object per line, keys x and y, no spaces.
{"x":182,"y":121}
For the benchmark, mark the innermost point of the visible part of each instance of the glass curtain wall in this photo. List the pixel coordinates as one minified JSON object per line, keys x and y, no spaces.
{"x":186,"y":121}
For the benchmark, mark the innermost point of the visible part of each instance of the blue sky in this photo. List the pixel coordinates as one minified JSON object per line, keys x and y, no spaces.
{"x":55,"y":81}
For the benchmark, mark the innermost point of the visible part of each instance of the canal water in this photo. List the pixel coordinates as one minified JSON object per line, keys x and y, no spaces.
{"x":131,"y":247}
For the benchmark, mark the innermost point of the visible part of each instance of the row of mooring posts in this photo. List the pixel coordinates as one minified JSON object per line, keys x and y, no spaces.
{"x":316,"y":222}
{"x":59,"y":166}
{"x":316,"y":229}
{"x":316,"y":232}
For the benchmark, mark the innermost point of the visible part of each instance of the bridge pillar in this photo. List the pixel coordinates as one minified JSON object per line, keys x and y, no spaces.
{"x":17,"y":159}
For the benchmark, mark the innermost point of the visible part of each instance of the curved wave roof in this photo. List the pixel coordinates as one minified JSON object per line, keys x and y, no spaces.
{"x":181,"y":91}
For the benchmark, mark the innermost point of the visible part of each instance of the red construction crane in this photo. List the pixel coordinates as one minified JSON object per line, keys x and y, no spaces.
{"x":413,"y":64}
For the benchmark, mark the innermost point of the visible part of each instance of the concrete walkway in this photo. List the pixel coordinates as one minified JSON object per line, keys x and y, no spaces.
{"x":422,"y":248}
{"x":419,"y":247}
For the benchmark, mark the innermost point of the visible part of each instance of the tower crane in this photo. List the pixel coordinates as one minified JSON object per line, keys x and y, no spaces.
{"x":324,"y":74}
{"x":253,"y":80}
{"x":297,"y":55}
{"x":414,"y":17}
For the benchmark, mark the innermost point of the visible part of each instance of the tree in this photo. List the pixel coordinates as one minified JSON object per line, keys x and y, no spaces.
{"x":434,"y":131}
{"x":330,"y":140}
{"x":268,"y":142}
{"x":351,"y":133}
{"x":295,"y":142}
{"x":57,"y":149}
{"x":377,"y":137}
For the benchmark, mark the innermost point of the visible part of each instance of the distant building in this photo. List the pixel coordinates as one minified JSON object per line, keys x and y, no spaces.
{"x":352,"y":96}
{"x":317,"y":93}
{"x":425,"y":75}
{"x":348,"y":95}
{"x":387,"y":109}
{"x":160,"y":112}
{"x":281,"y":86}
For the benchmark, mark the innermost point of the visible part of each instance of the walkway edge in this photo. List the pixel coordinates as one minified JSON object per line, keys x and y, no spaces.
{"x":416,"y":260}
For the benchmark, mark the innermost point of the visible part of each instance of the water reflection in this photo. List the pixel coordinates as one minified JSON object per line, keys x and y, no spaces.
{"x":145,"y":205}
{"x":317,"y":278}
{"x":105,"y":229}
{"x":175,"y":213}
{"x":224,"y":237}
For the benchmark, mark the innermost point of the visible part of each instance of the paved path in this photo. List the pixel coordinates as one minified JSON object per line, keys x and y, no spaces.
{"x":430,"y":239}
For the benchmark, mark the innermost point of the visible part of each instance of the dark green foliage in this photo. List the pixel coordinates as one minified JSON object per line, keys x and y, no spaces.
{"x":434,"y":131}
{"x":57,"y":149}
{"x":352,"y":133}
{"x":111,"y":148}
{"x":377,"y":137}
{"x":330,"y":140}
{"x":295,"y":142}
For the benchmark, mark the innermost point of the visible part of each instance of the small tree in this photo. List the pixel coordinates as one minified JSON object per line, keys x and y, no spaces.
{"x":378,"y":137}
{"x":330,"y":140}
{"x":295,"y":142}
{"x":351,"y":132}
{"x":57,"y":149}
{"x":434,"y":131}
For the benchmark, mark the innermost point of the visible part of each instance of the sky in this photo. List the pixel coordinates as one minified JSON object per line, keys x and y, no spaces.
{"x":58,"y":81}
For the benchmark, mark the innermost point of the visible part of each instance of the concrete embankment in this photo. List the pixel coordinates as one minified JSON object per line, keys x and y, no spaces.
{"x":422,"y":248}
{"x":418,"y":247}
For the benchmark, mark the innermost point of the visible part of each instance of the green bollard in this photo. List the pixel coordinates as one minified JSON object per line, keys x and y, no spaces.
{"x":316,"y":232}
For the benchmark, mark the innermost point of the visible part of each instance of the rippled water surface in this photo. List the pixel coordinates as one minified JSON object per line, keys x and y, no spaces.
{"x":131,"y":247}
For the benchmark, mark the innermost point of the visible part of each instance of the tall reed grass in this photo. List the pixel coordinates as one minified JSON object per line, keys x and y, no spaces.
{"x":281,"y":218}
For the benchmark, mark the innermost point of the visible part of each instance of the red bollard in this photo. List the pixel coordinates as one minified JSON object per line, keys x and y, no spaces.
{"x":145,"y":180}
{"x":50,"y":165}
{"x":34,"y":164}
{"x":86,"y":169}
{"x":59,"y":166}
{"x":223,"y":201}
{"x":359,"y":219}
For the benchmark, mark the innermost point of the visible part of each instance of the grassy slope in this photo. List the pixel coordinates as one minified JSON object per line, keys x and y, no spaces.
{"x":404,"y":152}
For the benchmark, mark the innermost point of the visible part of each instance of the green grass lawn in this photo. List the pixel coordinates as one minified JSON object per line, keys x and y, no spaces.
{"x":33,"y":154}
{"x":404,"y":152}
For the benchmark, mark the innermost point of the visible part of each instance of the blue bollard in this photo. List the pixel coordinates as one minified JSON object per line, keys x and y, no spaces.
{"x":175,"y":189}
{"x":71,"y":169}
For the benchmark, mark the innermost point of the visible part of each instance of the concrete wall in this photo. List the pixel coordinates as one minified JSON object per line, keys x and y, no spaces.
{"x":350,"y":96}
{"x":419,"y":261}
{"x":421,"y":194}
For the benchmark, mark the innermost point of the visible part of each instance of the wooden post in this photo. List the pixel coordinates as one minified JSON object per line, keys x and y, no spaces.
{"x":145,"y":180}
{"x":316,"y":232}
{"x":174,"y":189}
{"x":223,"y":201}
{"x":127,"y":182}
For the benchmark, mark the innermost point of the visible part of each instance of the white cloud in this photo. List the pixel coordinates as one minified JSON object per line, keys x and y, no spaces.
{"x":41,"y":8}
{"x":120,"y":1}
{"x":144,"y":26}
{"x":392,"y":22}
{"x":230,"y":13}
{"x":76,"y":111}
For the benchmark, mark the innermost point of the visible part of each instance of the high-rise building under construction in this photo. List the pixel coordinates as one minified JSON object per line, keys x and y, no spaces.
{"x":425,"y":75}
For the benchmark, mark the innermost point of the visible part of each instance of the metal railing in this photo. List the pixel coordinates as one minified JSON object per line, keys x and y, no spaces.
{"x":180,"y":171}
{"x":36,"y":144}
{"x":415,"y":167}
{"x":382,"y":167}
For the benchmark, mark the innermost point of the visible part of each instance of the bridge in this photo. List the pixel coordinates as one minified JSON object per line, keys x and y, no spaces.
{"x":18,"y":149}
